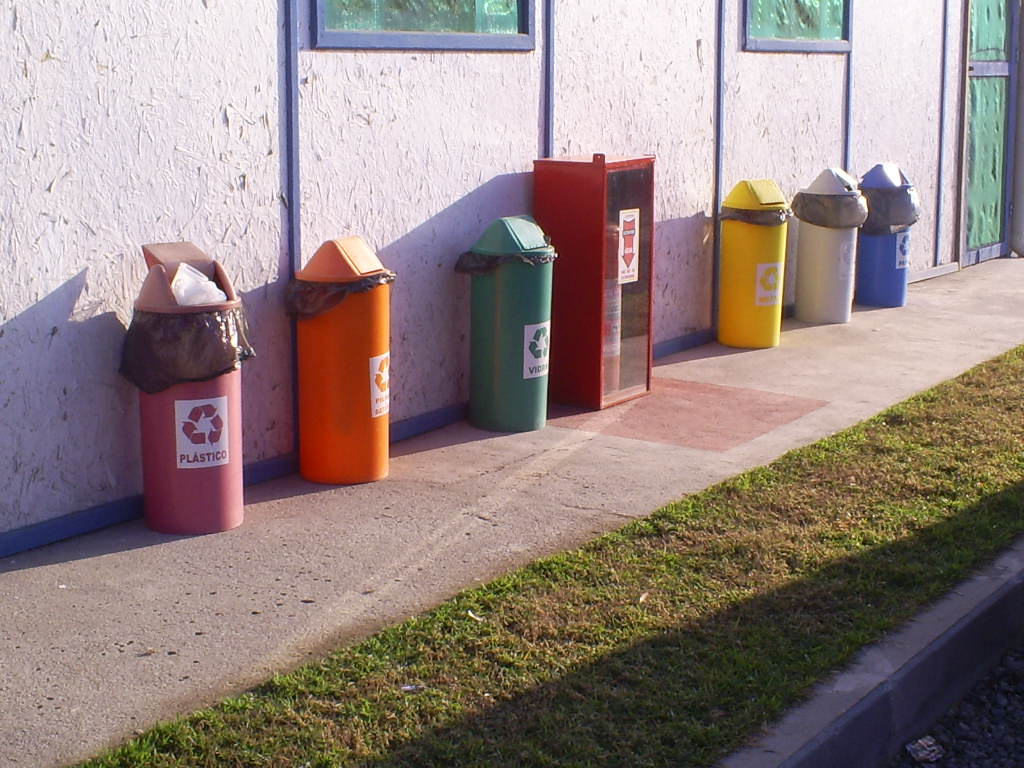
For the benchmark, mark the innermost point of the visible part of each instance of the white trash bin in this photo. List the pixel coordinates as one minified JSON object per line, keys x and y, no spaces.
{"x":830,"y":211}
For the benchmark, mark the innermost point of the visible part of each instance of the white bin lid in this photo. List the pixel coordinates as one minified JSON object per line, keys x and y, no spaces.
{"x":833,"y":181}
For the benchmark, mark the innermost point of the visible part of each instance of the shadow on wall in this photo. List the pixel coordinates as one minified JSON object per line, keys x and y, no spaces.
{"x":430,"y":301}
{"x":71,"y":421}
{"x":505,"y":195}
{"x":267,"y":379}
{"x":72,"y":462}
{"x":683,"y":268}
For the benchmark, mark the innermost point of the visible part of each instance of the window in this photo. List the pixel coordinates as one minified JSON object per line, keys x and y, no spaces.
{"x":493,"y":25}
{"x":808,"y":26}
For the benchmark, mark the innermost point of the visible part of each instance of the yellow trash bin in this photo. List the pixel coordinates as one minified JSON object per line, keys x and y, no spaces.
{"x":754,"y":217}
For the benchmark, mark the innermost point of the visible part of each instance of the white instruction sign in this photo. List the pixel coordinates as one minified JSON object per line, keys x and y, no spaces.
{"x":629,"y":245}
{"x":380,"y":393}
{"x":769,"y":286}
{"x":536,"y":350}
{"x":201,"y":432}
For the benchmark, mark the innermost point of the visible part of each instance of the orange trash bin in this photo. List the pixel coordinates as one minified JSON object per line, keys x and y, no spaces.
{"x":342,"y":301}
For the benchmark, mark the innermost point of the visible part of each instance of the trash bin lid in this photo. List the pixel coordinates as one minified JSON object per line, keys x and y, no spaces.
{"x":163,"y":260}
{"x":513,"y":234}
{"x":172,"y":254}
{"x":893,"y":201}
{"x":341,"y":261}
{"x":756,"y":195}
{"x":884,"y":176}
{"x":833,"y":181}
{"x":832,"y":200}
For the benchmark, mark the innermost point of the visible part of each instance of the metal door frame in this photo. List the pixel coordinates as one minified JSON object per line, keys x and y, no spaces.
{"x":971,"y":256}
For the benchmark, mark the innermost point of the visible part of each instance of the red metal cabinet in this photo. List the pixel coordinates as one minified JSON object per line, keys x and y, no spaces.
{"x":599,"y":214}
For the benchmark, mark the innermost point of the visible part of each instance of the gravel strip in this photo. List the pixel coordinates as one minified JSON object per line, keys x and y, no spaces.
{"x":984,"y":730}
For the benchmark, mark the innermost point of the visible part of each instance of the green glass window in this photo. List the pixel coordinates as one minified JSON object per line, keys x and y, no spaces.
{"x":798,"y":25}
{"x":490,"y":16}
{"x":430,"y":24}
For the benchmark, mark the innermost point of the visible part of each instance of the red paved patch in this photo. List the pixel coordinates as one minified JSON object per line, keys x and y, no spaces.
{"x":709,"y":417}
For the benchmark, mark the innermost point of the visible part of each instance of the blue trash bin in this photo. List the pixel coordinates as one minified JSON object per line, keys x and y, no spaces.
{"x":883,"y":245}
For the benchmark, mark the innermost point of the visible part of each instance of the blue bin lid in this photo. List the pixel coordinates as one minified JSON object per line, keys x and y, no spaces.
{"x":884,"y":176}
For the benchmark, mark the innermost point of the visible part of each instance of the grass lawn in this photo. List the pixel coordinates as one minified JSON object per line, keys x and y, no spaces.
{"x":672,"y":641}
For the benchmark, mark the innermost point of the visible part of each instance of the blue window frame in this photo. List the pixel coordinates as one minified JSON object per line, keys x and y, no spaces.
{"x":424,"y":25}
{"x":800,"y":26}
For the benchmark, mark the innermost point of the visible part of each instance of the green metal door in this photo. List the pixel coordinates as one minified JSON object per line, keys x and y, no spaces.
{"x":991,"y":87}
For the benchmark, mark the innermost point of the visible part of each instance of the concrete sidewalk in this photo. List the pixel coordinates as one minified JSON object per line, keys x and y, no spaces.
{"x":114,"y":631}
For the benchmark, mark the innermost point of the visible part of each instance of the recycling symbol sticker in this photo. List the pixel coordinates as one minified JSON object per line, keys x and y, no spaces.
{"x":203,"y":416}
{"x":536,"y":348}
{"x":201,"y":432}
{"x":902,"y":250}
{"x":539,"y":343}
{"x":380,"y":381}
{"x":381,"y":378}
{"x":768,"y":285}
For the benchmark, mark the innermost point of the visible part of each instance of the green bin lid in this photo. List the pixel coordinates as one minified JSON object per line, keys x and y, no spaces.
{"x":512,"y":234}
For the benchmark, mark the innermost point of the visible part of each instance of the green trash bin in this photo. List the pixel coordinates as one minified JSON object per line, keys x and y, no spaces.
{"x":510,"y":325}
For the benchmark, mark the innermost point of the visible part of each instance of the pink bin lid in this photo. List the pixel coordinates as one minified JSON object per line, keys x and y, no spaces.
{"x":163,"y":260}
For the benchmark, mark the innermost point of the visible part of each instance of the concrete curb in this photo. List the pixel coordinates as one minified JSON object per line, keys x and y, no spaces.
{"x":861,"y":717}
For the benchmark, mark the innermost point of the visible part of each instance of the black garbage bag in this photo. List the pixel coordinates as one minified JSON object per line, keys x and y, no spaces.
{"x":163,"y":349}
{"x":772,"y":217}
{"x":831,"y":211}
{"x":473,"y":263}
{"x":306,"y":299}
{"x":891,"y":209}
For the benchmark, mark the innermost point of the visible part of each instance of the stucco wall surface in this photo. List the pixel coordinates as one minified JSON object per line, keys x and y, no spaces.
{"x":896,"y":100}
{"x":635,"y":83}
{"x":784,"y":116}
{"x":783,"y":112}
{"x":126,"y":123}
{"x":418,"y":153}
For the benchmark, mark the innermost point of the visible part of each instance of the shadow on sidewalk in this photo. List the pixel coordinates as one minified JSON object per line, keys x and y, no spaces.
{"x":121,"y":537}
{"x":674,"y":698}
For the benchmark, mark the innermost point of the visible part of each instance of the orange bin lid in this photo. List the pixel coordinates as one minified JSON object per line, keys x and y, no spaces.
{"x":344,"y":260}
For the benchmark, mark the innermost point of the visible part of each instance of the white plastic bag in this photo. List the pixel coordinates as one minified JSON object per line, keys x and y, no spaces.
{"x":191,"y":287}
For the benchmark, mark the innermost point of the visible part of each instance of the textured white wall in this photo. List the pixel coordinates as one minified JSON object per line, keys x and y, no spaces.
{"x":783,"y":112}
{"x":896,"y":99}
{"x":634,"y":83}
{"x":784,"y":117}
{"x":418,"y":152}
{"x":126,"y":123}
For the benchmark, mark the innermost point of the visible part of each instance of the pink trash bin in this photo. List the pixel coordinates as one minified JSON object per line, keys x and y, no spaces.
{"x":191,"y":431}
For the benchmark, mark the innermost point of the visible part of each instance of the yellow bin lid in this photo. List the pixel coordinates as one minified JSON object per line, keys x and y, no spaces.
{"x":756,"y":195}
{"x":341,"y":261}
